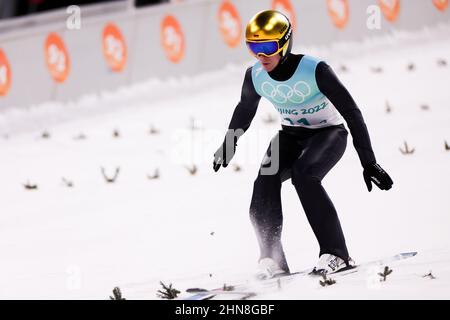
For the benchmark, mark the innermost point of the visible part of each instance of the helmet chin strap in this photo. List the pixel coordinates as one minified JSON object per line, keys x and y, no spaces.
{"x":283,"y":59}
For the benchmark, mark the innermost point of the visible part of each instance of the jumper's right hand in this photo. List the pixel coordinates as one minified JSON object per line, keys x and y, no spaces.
{"x":223,"y":155}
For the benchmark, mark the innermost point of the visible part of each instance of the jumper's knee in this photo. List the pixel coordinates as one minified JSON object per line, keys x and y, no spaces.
{"x":266,"y":182}
{"x":302,"y":177}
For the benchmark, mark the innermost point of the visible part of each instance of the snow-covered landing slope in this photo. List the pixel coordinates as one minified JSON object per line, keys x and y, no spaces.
{"x":364,"y":282}
{"x":194,"y":230}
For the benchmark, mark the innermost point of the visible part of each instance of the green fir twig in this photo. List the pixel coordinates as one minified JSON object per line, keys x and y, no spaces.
{"x":279,"y":284}
{"x":385,"y":273}
{"x":407,"y":150}
{"x":326,"y":281}
{"x":30,"y":186}
{"x":192,"y":169}
{"x":429,"y":275}
{"x":117,"y":294}
{"x":227,"y":288}
{"x":167,"y":292}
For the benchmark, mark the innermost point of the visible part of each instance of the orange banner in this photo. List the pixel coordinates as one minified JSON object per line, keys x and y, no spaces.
{"x":57,"y":58}
{"x":114,"y":47}
{"x":339,"y":12}
{"x":441,"y":4}
{"x":172,"y":39}
{"x":286,"y":8}
{"x":230,"y":24}
{"x":390,"y":9}
{"x":5,"y":74}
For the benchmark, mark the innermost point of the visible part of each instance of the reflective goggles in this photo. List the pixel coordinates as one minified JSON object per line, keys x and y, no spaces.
{"x":266,"y":48}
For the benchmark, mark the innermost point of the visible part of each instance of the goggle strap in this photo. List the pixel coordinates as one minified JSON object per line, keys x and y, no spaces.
{"x":285,"y":38}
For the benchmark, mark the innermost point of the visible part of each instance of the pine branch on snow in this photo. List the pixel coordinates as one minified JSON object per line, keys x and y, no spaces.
{"x":343,"y":68}
{"x":153,"y":130}
{"x":237,"y":168}
{"x":429,"y":275}
{"x":154,"y":176}
{"x":110,"y":179}
{"x":425,"y":107}
{"x":81,"y":136}
{"x":68,"y":183}
{"x":193,"y":126}
{"x":192,"y":169}
{"x":385,"y":273}
{"x":388,"y":107}
{"x":167,"y":292}
{"x":376,"y":69}
{"x":45,"y":135}
{"x":407,"y":150}
{"x":326,"y":281}
{"x":117,"y":294}
{"x":29,"y":186}
{"x":116,"y":133}
{"x":442,"y":62}
{"x":227,"y":288}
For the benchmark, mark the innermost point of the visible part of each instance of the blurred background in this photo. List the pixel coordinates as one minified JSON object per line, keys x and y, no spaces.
{"x":16,"y":8}
{"x":50,"y":47}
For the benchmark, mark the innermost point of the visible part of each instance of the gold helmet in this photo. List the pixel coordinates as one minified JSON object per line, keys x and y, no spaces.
{"x":269,"y":33}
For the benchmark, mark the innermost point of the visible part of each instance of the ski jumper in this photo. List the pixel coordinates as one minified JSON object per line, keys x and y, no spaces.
{"x":312,"y":104}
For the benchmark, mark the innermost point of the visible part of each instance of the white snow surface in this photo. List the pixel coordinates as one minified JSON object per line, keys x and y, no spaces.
{"x":58,"y":242}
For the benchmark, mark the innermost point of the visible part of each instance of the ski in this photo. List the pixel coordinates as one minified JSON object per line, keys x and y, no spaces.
{"x":220,"y":293}
{"x":250,"y":288}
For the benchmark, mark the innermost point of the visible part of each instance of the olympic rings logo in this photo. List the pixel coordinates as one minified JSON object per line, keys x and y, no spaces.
{"x":282,"y":93}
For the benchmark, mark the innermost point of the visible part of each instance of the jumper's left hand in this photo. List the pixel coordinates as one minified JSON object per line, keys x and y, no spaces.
{"x":374,"y":173}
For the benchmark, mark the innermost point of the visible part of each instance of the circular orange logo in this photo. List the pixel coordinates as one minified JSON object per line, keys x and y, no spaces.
{"x":230,"y":24}
{"x":390,"y":9}
{"x":57,"y":58}
{"x":172,"y":39}
{"x":286,"y":8}
{"x":339,"y":12}
{"x":441,"y":4}
{"x":5,"y":74}
{"x":114,"y":47}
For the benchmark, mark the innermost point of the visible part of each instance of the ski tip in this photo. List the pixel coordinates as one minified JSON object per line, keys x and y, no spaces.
{"x":201,"y":296}
{"x":196,"y":290}
{"x":408,"y":254}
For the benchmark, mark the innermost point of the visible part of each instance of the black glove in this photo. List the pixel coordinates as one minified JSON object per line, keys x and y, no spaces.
{"x":374,"y":173}
{"x":225,"y":153}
